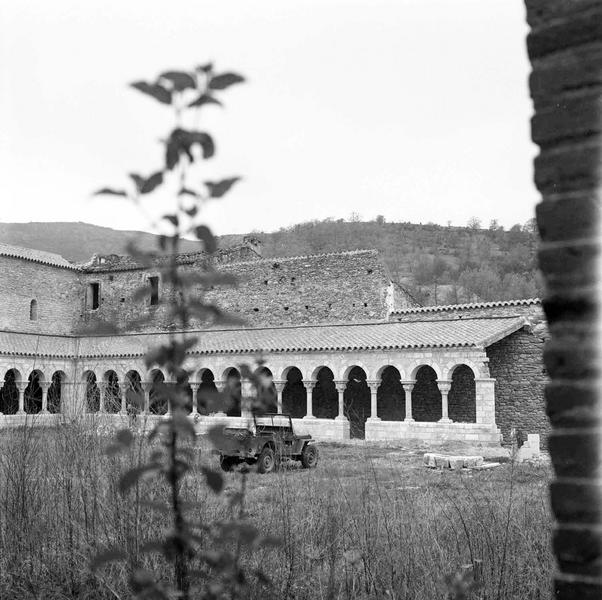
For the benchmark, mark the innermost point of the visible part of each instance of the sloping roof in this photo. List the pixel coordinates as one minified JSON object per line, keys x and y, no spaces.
{"x":448,"y":307}
{"x":32,"y":344}
{"x":477,"y":333}
{"x":39,"y":256}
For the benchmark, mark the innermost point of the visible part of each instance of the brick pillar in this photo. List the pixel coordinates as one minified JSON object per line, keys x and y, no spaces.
{"x":408,"y":386}
{"x":309,"y":387}
{"x":565,"y":49}
{"x":341,"y":386}
{"x":44,"y":385}
{"x":485,"y":400}
{"x":279,"y":386}
{"x":21,"y":385}
{"x":373,"y":385}
{"x":444,"y":387}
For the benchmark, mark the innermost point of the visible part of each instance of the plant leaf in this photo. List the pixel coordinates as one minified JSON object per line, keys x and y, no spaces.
{"x":218,"y":188}
{"x":204,"y":99}
{"x":110,"y":191}
{"x":203,"y":233}
{"x":151,"y":183}
{"x":138,"y":180}
{"x":131,"y":477}
{"x":214,"y":479}
{"x":108,"y":555}
{"x":221,"y":82}
{"x":205,"y":68}
{"x":157,"y":91}
{"x":181,"y":141}
{"x":173,"y":219}
{"x":180,"y":80}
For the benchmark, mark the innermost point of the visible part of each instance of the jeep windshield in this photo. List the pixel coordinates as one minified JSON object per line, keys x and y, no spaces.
{"x":267,"y":423}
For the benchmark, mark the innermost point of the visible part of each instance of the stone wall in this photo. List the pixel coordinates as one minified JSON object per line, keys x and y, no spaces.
{"x":516,"y":363}
{"x":53,"y":288}
{"x":347,"y":286}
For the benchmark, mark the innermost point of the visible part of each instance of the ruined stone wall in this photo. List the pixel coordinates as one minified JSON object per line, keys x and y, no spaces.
{"x":516,"y":362}
{"x":350,"y":286}
{"x":53,"y":288}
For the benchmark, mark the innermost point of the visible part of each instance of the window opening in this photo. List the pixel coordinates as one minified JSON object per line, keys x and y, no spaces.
{"x":93,"y":299}
{"x":154,"y":285}
{"x":33,"y":310}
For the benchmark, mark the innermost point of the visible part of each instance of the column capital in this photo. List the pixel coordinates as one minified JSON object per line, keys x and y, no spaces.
{"x":45,"y":385}
{"x":340,"y":385}
{"x":373,"y":384}
{"x":408,"y":383}
{"x":309,"y":384}
{"x":444,"y":385}
{"x":220,"y":386}
{"x":147,"y":386}
{"x":278,"y":384}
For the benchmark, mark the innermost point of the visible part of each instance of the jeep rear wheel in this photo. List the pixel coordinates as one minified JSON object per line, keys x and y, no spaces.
{"x":266,"y":462}
{"x":309,"y":456}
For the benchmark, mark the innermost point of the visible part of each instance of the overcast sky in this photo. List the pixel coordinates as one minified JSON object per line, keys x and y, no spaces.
{"x":417,"y":110}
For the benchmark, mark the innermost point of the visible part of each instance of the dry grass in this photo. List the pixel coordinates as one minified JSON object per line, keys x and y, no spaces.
{"x":369,"y":522}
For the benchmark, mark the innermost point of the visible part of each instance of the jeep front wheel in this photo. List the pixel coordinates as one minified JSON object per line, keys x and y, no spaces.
{"x":309,"y":457}
{"x":266,"y":462}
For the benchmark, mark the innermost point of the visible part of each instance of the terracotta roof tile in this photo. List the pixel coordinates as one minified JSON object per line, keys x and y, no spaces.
{"x":39,"y":256}
{"x":373,"y":336}
{"x":447,"y":307}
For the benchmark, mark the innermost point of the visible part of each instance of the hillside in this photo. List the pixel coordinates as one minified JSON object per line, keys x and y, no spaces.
{"x":435,"y":263}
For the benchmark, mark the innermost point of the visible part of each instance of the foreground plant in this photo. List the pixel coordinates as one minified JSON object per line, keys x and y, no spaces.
{"x":205,"y":557}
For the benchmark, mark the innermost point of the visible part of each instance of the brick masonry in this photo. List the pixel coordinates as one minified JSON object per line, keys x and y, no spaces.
{"x":565,"y":49}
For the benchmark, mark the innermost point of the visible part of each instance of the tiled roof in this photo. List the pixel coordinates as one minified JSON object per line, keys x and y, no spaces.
{"x":477,"y":333}
{"x":39,"y":256}
{"x":448,"y":307}
{"x":31,"y":344}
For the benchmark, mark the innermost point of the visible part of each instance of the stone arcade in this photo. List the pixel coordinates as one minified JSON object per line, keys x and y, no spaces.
{"x":348,"y":352}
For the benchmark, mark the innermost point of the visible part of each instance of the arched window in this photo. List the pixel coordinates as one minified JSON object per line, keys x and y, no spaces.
{"x":33,"y":310}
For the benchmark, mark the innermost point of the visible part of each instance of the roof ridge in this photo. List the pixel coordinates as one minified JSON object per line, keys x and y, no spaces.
{"x":446,"y":307}
{"x":34,"y":255}
{"x":306,"y":256}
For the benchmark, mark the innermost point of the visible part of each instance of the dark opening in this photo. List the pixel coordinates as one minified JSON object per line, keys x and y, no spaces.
{"x":207,"y":399}
{"x":54,"y":393}
{"x":157,"y":396}
{"x":426,"y":397}
{"x":33,"y":394}
{"x":92,"y":393}
{"x":391,"y":396}
{"x":33,"y":310}
{"x":94,"y":295}
{"x":154,"y":285}
{"x":325,"y":396}
{"x":294,"y":395}
{"x":9,"y":397}
{"x":357,"y":402}
{"x":233,"y":393}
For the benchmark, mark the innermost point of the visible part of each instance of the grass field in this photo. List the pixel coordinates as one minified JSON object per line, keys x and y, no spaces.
{"x":369,"y":522}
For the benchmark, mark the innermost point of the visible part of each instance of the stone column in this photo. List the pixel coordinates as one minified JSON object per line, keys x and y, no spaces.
{"x":44,"y":385}
{"x":373,"y":385}
{"x":246,"y":395}
{"x":408,"y":386}
{"x":146,"y":388}
{"x":123,"y":388}
{"x":194,"y":386}
{"x":444,"y":387}
{"x":21,"y":385}
{"x":341,"y":386}
{"x":102,"y":390}
{"x":279,"y":385}
{"x":309,"y":387}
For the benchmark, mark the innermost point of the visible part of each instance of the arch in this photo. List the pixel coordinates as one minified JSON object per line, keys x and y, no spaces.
{"x":294,"y":394}
{"x":33,"y":310}
{"x":356,"y":400}
{"x":232,"y":391}
{"x":284,"y":373}
{"x":112,"y":399}
{"x":157,"y":399}
{"x":92,"y":392}
{"x":390,"y":396}
{"x":134,"y":395}
{"x":32,"y":398}
{"x":314,"y":373}
{"x":207,"y":399}
{"x":356,"y":365}
{"x":434,"y":366}
{"x":426,"y":397}
{"x":462,"y":397}
{"x":325,"y":394}
{"x":9,"y":396}
{"x":452,"y":366}
{"x":267,"y":397}
{"x":184,"y":390}
{"x":55,"y":392}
